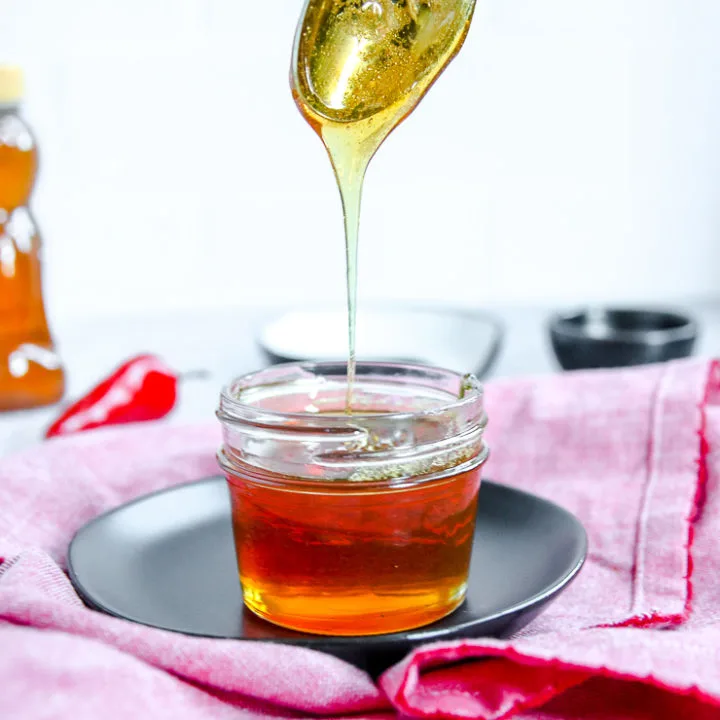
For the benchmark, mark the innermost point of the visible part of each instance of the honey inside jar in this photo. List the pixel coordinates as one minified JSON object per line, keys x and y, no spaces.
{"x":343,"y":563}
{"x":353,"y":525}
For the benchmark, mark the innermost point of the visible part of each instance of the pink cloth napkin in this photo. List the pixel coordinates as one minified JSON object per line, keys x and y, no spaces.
{"x":633,"y":453}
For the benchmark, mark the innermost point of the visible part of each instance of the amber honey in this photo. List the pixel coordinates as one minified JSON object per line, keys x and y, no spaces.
{"x":30,"y":369}
{"x":353,"y":525}
{"x":345,"y":562}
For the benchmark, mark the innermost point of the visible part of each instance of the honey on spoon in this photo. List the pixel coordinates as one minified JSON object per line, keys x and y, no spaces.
{"x":359,"y":69}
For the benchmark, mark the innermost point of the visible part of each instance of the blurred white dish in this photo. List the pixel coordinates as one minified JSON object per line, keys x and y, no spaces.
{"x":461,"y":340}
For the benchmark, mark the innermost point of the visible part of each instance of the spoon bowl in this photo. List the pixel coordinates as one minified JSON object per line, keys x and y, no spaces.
{"x":354,"y":59}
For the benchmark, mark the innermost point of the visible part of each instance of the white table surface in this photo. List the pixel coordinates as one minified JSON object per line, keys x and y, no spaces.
{"x":224,"y":344}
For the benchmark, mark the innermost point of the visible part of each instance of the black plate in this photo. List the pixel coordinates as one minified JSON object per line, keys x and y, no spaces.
{"x":168,"y":560}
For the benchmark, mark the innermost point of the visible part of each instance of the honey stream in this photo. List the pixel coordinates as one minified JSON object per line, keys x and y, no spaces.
{"x":359,"y":69}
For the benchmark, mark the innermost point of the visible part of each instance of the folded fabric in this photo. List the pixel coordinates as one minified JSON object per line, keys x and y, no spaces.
{"x":631,"y":453}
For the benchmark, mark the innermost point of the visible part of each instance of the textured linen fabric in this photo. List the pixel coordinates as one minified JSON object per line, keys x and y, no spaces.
{"x":635,"y":454}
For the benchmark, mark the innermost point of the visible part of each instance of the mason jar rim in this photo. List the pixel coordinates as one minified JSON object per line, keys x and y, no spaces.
{"x":233,"y":409}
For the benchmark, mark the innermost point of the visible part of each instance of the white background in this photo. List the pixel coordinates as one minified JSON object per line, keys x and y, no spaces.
{"x":570,"y":153}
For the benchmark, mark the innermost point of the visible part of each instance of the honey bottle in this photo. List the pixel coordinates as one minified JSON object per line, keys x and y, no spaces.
{"x":30,"y":370}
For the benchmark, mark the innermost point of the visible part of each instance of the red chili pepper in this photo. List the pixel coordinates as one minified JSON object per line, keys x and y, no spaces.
{"x":143,"y":388}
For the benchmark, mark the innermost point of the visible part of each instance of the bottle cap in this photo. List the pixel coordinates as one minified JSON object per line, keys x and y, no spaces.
{"x":11,"y":84}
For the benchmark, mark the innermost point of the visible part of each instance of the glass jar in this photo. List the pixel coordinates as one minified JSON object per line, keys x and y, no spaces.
{"x":353,"y":524}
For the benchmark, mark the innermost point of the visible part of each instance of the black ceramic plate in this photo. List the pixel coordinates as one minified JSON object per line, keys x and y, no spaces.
{"x":168,"y":560}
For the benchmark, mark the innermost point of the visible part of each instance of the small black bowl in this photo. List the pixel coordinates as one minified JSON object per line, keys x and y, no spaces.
{"x":618,"y":337}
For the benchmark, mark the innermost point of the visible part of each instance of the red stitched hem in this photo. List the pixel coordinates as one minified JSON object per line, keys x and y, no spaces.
{"x":703,"y":472}
{"x":653,"y":620}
